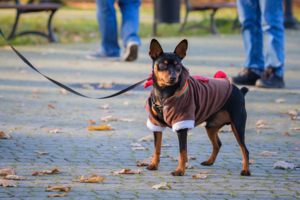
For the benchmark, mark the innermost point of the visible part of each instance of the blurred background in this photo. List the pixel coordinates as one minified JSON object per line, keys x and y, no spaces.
{"x":76,"y":21}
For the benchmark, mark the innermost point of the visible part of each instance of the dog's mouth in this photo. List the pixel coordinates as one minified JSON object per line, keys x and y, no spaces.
{"x":169,"y":82}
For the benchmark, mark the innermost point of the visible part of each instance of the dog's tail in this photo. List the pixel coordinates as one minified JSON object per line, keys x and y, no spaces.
{"x":244,"y":90}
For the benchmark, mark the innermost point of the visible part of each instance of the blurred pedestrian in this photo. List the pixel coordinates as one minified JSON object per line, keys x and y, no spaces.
{"x":258,"y":16}
{"x":106,"y":16}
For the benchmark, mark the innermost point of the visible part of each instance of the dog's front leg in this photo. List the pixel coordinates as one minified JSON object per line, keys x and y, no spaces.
{"x":182,"y":137}
{"x":157,"y":151}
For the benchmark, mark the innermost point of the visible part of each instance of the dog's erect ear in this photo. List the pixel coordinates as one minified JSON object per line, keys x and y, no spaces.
{"x":155,"y":49}
{"x":181,"y":49}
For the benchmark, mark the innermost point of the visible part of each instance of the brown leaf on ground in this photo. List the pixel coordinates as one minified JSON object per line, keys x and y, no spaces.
{"x":36,"y":90}
{"x":280,"y":100}
{"x":108,"y":118}
{"x":139,"y":148}
{"x":283,"y":165}
{"x":105,"y":106}
{"x":251,"y":162}
{"x":126,"y":103}
{"x":203,"y":172}
{"x":144,"y":162}
{"x":8,"y":171}
{"x":51,"y":131}
{"x":297,"y":118}
{"x":58,"y":189}
{"x":261,"y":122}
{"x":162,"y":185}
{"x":91,"y":179}
{"x":125,"y":120}
{"x":88,"y":86}
{"x":223,"y":130}
{"x":50,"y":106}
{"x":291,"y":112}
{"x":4,"y":135}
{"x":8,"y":183}
{"x":128,"y":171}
{"x":199,"y":176}
{"x":191,"y":158}
{"x":55,"y":171}
{"x":188,"y":166}
{"x":167,"y":145}
{"x":92,"y":122}
{"x":258,"y":131}
{"x":295,"y":129}
{"x":64,"y":91}
{"x":105,"y":85}
{"x":98,"y":128}
{"x":286,"y":133}
{"x":263,"y":126}
{"x":135,"y":145}
{"x":145,"y":139}
{"x":15,"y":177}
{"x":296,"y":149}
{"x":58,"y":195}
{"x":267,"y":153}
{"x":41,"y":152}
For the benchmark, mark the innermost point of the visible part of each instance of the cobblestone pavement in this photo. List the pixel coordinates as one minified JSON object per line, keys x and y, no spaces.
{"x":76,"y":151}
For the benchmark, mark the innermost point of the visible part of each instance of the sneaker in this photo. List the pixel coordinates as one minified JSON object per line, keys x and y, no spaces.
{"x":131,"y":51}
{"x":245,"y":77}
{"x":270,"y":80}
{"x":102,"y":56}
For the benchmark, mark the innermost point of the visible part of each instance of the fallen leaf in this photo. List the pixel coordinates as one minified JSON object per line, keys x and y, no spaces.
{"x":36,"y":90}
{"x":108,"y":118}
{"x":144,"y":162}
{"x":98,"y":128}
{"x":139,"y":148}
{"x":296,"y":148}
{"x":126,"y":103}
{"x":105,"y":106}
{"x":291,"y":112}
{"x":50,"y":106}
{"x":261,"y":122}
{"x":188,"y":166}
{"x":125,"y":120}
{"x":262,"y":126}
{"x":167,"y":145}
{"x":88,"y":86}
{"x":91,"y":179}
{"x":4,"y":135}
{"x":286,"y":133}
{"x":283,"y":165}
{"x":177,"y":158}
{"x":204,"y":172}
{"x":15,"y":177}
{"x":115,"y":147}
{"x":55,"y":171}
{"x":295,"y":118}
{"x":135,"y":145}
{"x":145,"y":139}
{"x":41,"y":153}
{"x":128,"y":171}
{"x":296,"y":142}
{"x":203,"y":124}
{"x":295,"y":129}
{"x":8,"y":171}
{"x":58,"y":189}
{"x":251,"y":162}
{"x":258,"y":131}
{"x":280,"y":100}
{"x":191,"y":158}
{"x":8,"y":183}
{"x":162,"y":185}
{"x":51,"y":131}
{"x":92,"y":122}
{"x":105,"y":85}
{"x":267,"y":153}
{"x":199,"y":176}
{"x":64,"y":91}
{"x":223,"y":130}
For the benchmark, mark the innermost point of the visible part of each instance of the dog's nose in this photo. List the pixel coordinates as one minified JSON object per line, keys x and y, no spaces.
{"x":173,"y":78}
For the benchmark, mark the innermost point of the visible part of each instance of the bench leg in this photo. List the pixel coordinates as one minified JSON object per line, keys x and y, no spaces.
{"x":184,"y":23}
{"x":214,"y":29}
{"x":51,"y":36}
{"x":12,"y":33}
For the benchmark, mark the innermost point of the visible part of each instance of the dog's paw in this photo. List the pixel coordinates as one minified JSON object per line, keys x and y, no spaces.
{"x":245,"y":173}
{"x":152,"y":167}
{"x":177,"y":173}
{"x":207,"y":163}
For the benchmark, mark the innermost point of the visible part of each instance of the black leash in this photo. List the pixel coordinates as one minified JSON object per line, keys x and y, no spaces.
{"x":66,"y":87}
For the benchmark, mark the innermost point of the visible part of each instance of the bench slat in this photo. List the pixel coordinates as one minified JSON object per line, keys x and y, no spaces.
{"x":41,"y":6}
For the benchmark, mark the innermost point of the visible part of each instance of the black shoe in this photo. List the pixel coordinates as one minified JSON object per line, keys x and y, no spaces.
{"x":245,"y":77}
{"x":270,"y":80}
{"x":131,"y":51}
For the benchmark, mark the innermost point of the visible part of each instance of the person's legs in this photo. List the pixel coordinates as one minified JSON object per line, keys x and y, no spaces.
{"x":130,"y":27}
{"x":250,"y":17}
{"x":106,"y":16}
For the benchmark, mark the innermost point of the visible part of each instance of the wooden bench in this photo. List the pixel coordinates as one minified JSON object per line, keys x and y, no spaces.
{"x":196,"y":5}
{"x":30,"y":7}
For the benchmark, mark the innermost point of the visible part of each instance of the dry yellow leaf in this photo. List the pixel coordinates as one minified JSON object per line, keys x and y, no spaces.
{"x":5,"y":172}
{"x":204,"y":172}
{"x":4,"y":135}
{"x":91,"y":179}
{"x":92,"y":122}
{"x":51,"y":131}
{"x":88,"y":86}
{"x":199,"y":176}
{"x":105,"y":106}
{"x":267,"y":153}
{"x":161,"y":185}
{"x":8,"y":183}
{"x":291,"y":112}
{"x":55,"y":171}
{"x":36,"y":90}
{"x":128,"y":171}
{"x":15,"y":177}
{"x":64,"y":91}
{"x":98,"y":128}
{"x":295,"y":118}
{"x":263,"y":126}
{"x":295,"y":129}
{"x":144,"y":162}
{"x":296,"y":148}
{"x":58,"y":188}
{"x":261,"y":122}
{"x":50,"y":106}
{"x":188,"y":166}
{"x":145,"y":139}
{"x":286,"y":133}
{"x":41,"y":153}
{"x":126,"y":103}
{"x":258,"y":131}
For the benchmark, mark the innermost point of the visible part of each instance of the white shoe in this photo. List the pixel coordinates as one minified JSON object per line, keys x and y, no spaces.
{"x":131,"y":51}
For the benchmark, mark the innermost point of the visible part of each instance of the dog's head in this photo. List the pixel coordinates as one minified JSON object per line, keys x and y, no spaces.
{"x":167,"y":66}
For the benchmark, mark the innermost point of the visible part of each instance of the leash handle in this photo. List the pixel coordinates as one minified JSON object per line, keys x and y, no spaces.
{"x":64,"y":86}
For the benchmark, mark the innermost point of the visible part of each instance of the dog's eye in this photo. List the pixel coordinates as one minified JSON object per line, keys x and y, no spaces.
{"x":162,"y":65}
{"x":177,"y":66}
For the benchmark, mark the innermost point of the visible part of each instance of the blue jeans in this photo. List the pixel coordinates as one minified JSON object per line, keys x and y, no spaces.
{"x":106,"y":15}
{"x":258,"y":16}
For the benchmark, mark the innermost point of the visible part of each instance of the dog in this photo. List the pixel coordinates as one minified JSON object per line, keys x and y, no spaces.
{"x":181,"y":102}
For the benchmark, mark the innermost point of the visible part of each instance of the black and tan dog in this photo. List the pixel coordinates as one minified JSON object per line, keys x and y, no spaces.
{"x":181,"y":102}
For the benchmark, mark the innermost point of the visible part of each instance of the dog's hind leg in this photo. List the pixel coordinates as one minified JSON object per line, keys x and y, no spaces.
{"x":157,"y":151}
{"x":216,"y":143}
